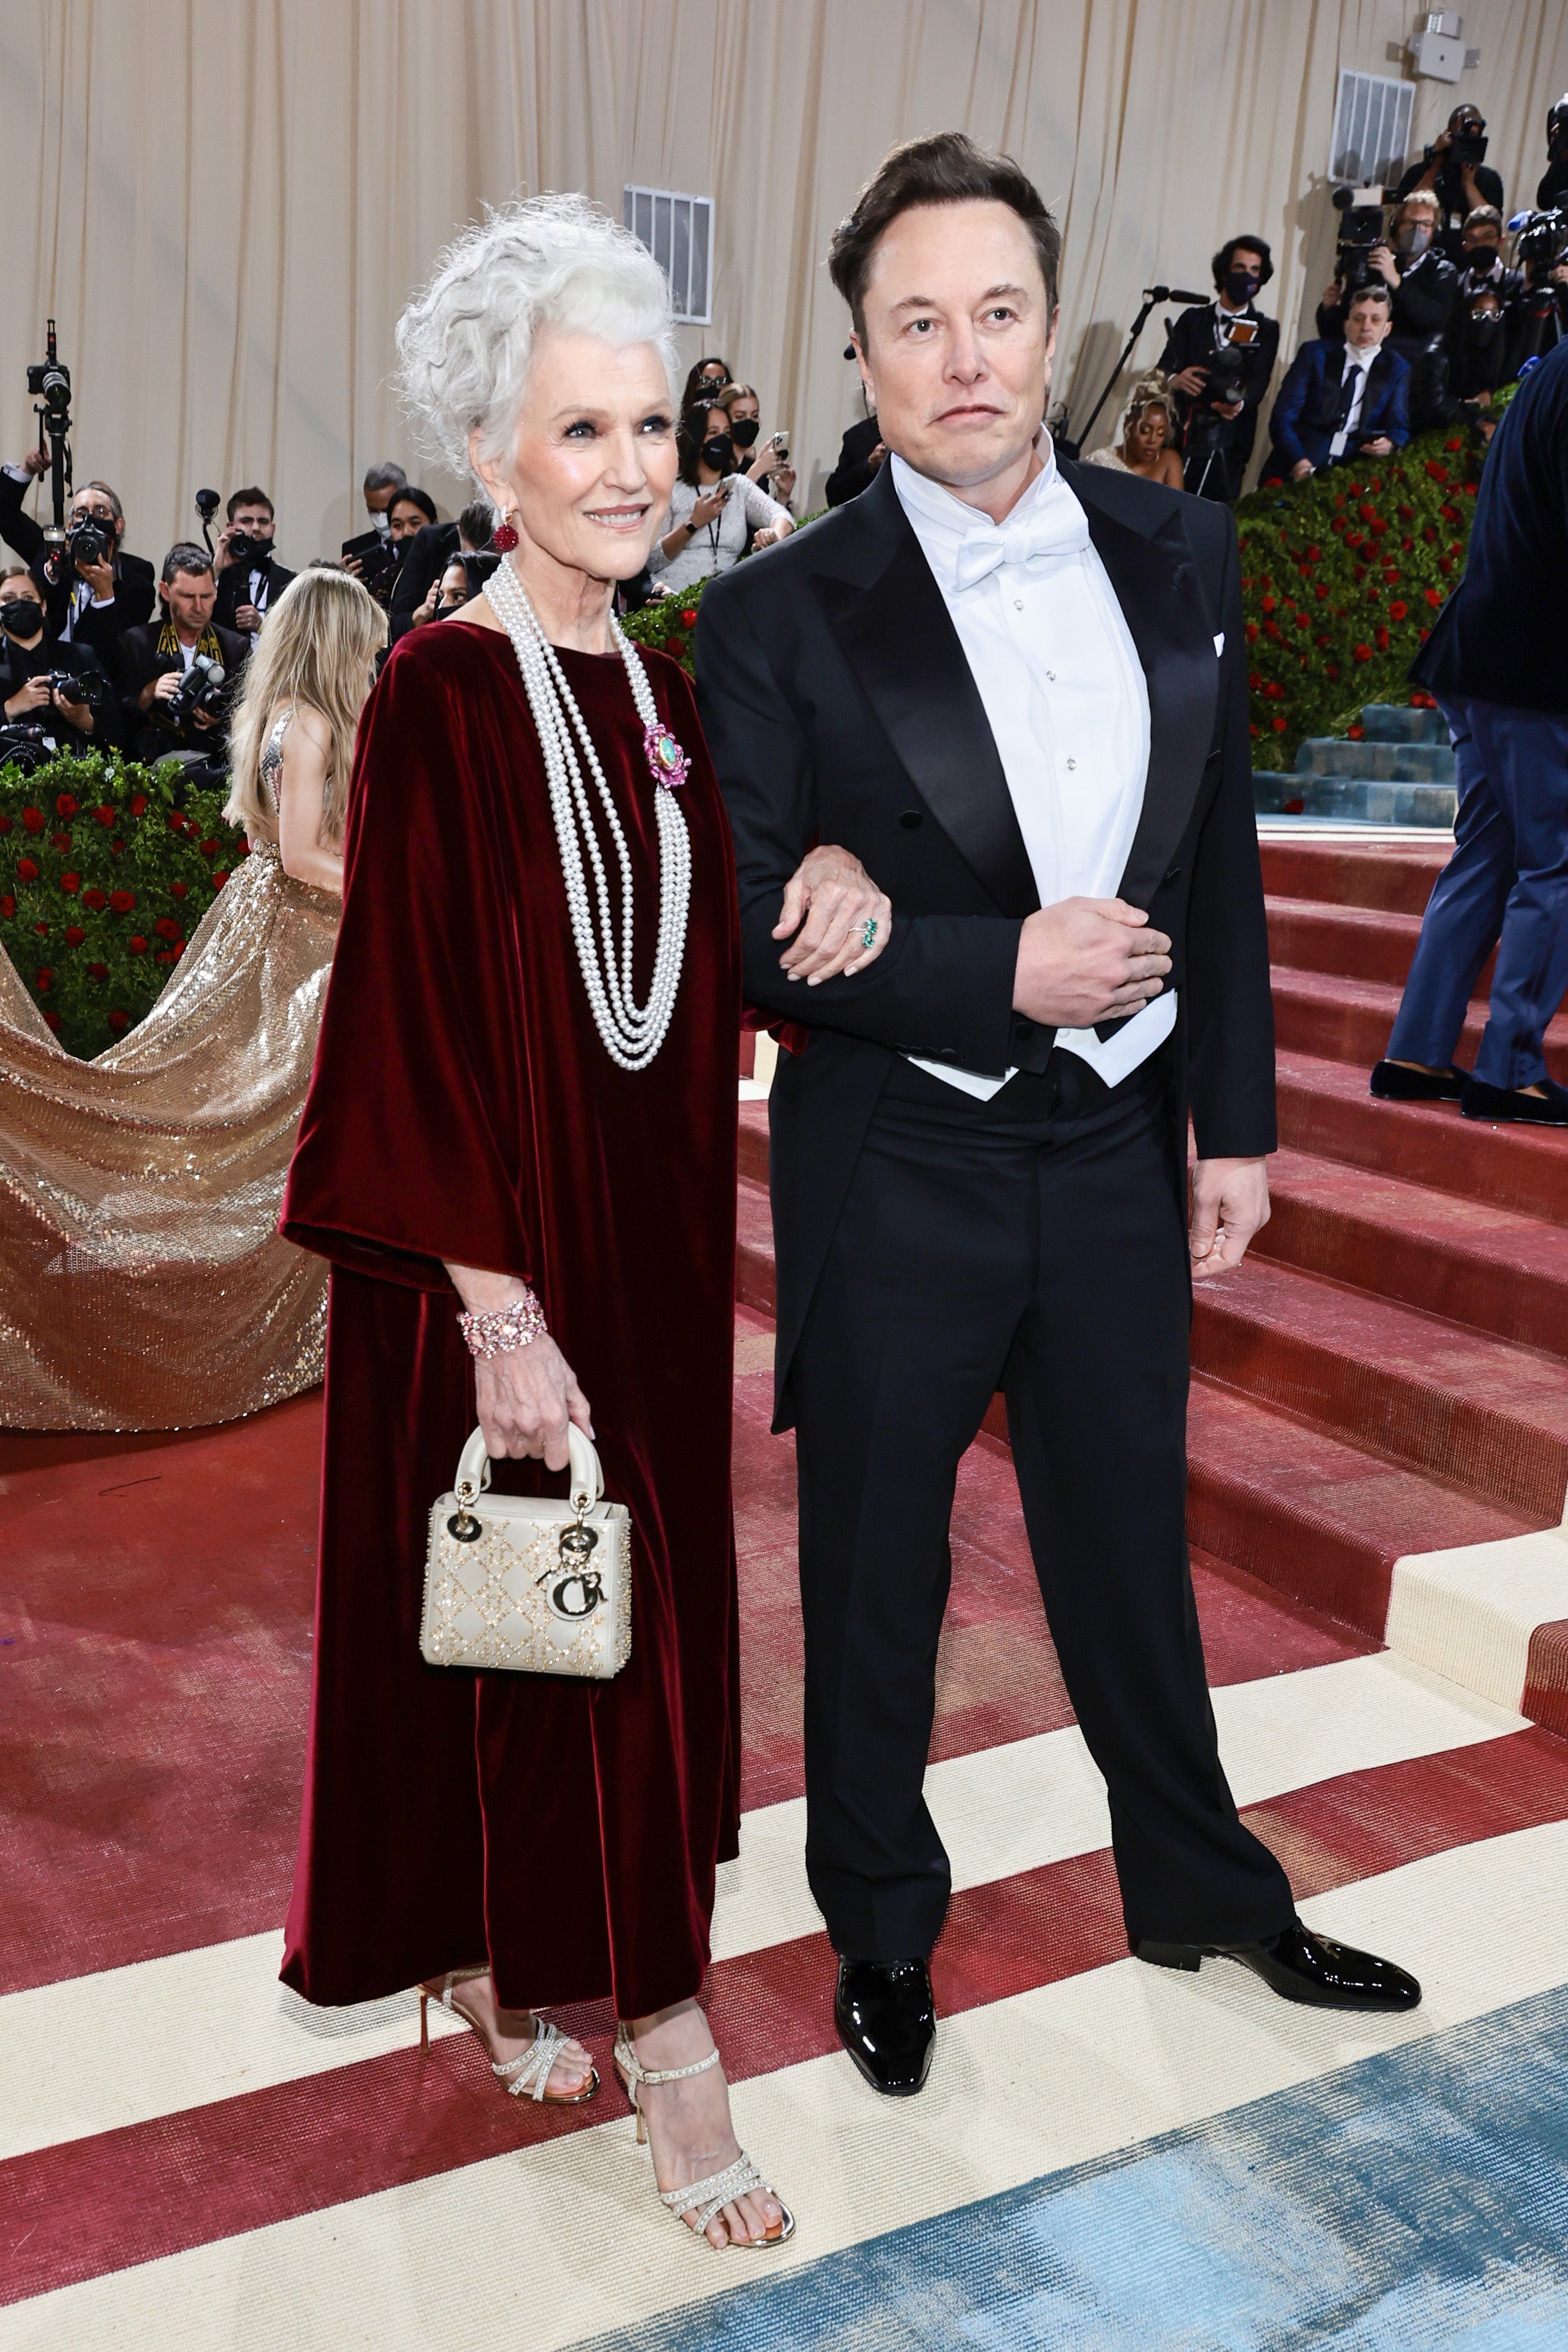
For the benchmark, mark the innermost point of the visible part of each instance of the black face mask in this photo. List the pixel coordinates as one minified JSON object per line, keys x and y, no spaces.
{"x":744,"y":432}
{"x":1483,"y":325}
{"x":719,"y":451}
{"x":1241,"y":285}
{"x":21,"y":616}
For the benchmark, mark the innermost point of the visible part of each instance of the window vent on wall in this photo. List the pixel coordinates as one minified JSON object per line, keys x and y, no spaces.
{"x":678,"y":233}
{"x":1371,"y":129}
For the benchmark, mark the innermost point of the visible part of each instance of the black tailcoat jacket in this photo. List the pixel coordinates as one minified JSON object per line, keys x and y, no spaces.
{"x":840,"y":707}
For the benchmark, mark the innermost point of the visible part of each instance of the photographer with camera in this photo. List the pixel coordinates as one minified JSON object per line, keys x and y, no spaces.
{"x":1538,"y":319}
{"x":249,"y":577}
{"x":1219,"y":359}
{"x":1424,"y":285}
{"x":180,"y":675}
{"x":92,"y":590}
{"x":1452,"y":172}
{"x":426,"y":559}
{"x":714,"y":509}
{"x":1342,"y":399}
{"x":49,"y":704}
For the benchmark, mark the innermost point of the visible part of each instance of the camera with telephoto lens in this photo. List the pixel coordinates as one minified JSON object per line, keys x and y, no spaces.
{"x":73,"y":689}
{"x":26,"y":744}
{"x":200,"y":690}
{"x":89,"y":540}
{"x":1543,"y":240}
{"x":244,"y":548}
{"x":1361,"y":229}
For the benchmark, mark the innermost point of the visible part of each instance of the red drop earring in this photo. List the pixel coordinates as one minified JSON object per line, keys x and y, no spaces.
{"x":503,"y":538}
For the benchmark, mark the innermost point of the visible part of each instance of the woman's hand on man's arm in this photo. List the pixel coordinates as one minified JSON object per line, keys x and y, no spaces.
{"x":528,"y":1395}
{"x":829,"y":901}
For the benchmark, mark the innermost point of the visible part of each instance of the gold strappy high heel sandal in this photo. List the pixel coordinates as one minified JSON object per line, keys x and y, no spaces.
{"x":530,"y":2071}
{"x":704,"y":2198}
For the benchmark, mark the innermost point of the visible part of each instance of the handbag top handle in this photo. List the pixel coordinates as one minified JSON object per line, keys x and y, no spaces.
{"x":587,"y":1477}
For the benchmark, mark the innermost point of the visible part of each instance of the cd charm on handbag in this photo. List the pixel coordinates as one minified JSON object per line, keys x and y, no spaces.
{"x":527,"y":1582}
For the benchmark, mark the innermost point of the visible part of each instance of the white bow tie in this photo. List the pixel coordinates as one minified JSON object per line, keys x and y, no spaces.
{"x":1053,"y":529}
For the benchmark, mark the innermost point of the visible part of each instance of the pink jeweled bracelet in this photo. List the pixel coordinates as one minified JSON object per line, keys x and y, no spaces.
{"x":499,"y":1329}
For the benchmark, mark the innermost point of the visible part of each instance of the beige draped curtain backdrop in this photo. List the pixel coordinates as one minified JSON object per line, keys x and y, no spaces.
{"x":225,"y":202}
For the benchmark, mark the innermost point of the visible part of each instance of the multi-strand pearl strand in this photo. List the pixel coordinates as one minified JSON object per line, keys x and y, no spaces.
{"x":632,"y":1035}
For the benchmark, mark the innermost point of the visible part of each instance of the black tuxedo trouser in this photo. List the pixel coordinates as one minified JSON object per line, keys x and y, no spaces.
{"x":1033,"y":1243}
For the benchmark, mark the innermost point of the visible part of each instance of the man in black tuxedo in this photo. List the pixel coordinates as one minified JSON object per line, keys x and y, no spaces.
{"x":91,"y":598}
{"x":997,"y":680}
{"x":249,"y":577}
{"x":860,"y":455}
{"x":1224,"y":346}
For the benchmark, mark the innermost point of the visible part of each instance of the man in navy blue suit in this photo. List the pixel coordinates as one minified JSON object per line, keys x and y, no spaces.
{"x":1496,"y":663}
{"x":1344,"y":399}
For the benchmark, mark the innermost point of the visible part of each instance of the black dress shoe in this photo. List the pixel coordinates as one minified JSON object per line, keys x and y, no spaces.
{"x":1547,"y":1110}
{"x":887,"y":2020}
{"x":1394,"y":1081}
{"x":1300,"y":1965}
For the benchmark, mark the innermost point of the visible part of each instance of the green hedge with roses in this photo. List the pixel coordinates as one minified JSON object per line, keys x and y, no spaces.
{"x":106,"y":869}
{"x":1342,"y":576}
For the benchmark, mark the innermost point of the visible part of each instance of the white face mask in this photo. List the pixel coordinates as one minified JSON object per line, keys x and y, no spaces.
{"x":383,"y":523}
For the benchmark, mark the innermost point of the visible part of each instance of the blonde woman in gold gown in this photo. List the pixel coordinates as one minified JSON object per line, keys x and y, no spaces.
{"x":143,"y":1282}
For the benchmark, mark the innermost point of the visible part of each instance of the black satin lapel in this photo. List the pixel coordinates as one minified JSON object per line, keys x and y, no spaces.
{"x":1156,"y":585}
{"x":906,"y":655}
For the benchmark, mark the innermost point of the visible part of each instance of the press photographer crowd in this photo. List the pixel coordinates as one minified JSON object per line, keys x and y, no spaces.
{"x":1439,"y":299}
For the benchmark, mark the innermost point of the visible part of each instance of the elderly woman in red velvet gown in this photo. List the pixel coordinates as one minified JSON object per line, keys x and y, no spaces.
{"x":489,"y":1129}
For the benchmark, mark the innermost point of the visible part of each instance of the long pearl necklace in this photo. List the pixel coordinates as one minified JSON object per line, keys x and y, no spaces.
{"x":632,"y":1034}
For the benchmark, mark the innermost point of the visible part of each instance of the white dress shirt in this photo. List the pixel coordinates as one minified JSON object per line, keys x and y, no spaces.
{"x":1361,"y":359}
{"x":1052,"y":659}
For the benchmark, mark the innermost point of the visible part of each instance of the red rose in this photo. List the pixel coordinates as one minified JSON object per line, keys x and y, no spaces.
{"x":75,"y":936}
{"x":95,"y":899}
{"x":1314,"y":555}
{"x":689,"y":616}
{"x":115,"y":846}
{"x":1252,"y":633}
{"x":26,"y":870}
{"x":220,"y":877}
{"x":1434,"y":598}
{"x":53,"y":1020}
{"x":104,"y":814}
{"x":1330,"y":669}
{"x":1398,"y":609}
{"x":166,"y":928}
{"x":179,"y":950}
{"x":176,"y":822}
{"x":1449,"y":513}
{"x":1323,"y":592}
{"x":1430,"y":536}
{"x":1445,"y":563}
{"x":1367,"y":512}
{"x":179,"y":890}
{"x":137,"y":803}
{"x":1453,"y":445}
{"x":1438,"y":473}
{"x":1355,"y":493}
{"x":42,"y":929}
{"x":98,"y":970}
{"x":33,"y":819}
{"x":1379,"y":527}
{"x":1391,"y":574}
{"x":1254,"y":729}
{"x":1254,"y":680}
{"x":1355,"y":733}
{"x":8,"y":906}
{"x":65,"y":804}
{"x":1407,"y":544}
{"x":1279,"y":725}
{"x":162,"y":956}
{"x":674,"y":644}
{"x":1364,"y":653}
{"x":1406,"y":514}
{"x":5,"y":824}
{"x":137,"y":944}
{"x":118,"y":1020}
{"x":1271,"y":629}
{"x":209,"y":848}
{"x":43,"y":980}
{"x":1274,"y":690}
{"x":123,"y":901}
{"x":70,"y":884}
{"x":1383,"y":641}
{"x":243,"y":847}
{"x":1268,"y":603}
{"x":60,"y":841}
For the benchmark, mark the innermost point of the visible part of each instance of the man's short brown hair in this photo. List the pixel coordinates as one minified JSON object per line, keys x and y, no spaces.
{"x":948,"y":168}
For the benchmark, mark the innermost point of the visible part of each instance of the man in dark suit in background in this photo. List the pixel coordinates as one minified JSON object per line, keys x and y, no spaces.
{"x":157,"y":657}
{"x":249,"y":577}
{"x":92,"y":597}
{"x":1425,"y":287}
{"x":1342,"y":399}
{"x":1496,"y":663}
{"x":1016,"y":691}
{"x":860,"y":457}
{"x":1224,"y":346}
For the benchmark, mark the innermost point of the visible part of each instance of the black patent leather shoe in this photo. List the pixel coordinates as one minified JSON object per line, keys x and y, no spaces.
{"x":887,"y":2020}
{"x":1396,"y":1082}
{"x":1301,"y":1965}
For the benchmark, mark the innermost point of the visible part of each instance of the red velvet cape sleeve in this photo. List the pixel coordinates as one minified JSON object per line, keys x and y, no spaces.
{"x":415,"y":1143}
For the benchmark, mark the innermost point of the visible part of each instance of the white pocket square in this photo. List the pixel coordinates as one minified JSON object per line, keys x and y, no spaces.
{"x":1219,"y":642}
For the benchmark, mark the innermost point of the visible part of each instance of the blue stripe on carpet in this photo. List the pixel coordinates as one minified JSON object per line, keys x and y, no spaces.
{"x":1412,"y":2202}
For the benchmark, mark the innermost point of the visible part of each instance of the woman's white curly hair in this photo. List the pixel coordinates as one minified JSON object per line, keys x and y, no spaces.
{"x":464,"y":341}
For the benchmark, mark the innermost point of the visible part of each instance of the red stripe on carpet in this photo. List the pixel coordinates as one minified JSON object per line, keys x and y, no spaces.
{"x":122,"y":2198}
{"x":155,"y":1659}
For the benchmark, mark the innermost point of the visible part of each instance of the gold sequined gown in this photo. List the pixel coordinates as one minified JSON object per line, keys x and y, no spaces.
{"x":143,"y":1284}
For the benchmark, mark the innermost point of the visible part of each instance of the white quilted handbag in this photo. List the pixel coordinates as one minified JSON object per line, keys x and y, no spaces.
{"x":525,"y":1582}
